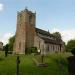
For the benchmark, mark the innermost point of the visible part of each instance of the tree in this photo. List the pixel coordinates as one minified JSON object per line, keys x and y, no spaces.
{"x":57,"y":34}
{"x":70,"y":45}
{"x":6,"y":49}
{"x":73,"y":51}
{"x":11,"y":43}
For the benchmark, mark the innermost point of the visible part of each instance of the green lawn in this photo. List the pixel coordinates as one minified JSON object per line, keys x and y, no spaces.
{"x":57,"y":65}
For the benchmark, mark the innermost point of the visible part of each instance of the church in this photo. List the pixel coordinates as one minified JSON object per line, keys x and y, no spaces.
{"x":27,"y":35}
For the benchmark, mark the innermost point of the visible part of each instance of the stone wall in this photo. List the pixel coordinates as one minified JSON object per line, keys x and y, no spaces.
{"x":46,"y":48}
{"x":39,"y":43}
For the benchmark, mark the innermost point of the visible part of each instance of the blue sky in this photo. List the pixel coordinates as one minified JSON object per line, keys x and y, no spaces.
{"x":52,"y":15}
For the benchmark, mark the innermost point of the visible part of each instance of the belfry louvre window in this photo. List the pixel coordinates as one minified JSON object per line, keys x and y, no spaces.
{"x":30,"y":18}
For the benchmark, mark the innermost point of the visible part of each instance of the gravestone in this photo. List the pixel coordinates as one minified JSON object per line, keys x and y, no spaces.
{"x":71,"y":65}
{"x":42,"y":63}
{"x":17,"y":68}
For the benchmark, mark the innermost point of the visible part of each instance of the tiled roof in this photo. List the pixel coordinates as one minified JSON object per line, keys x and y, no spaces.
{"x":47,"y":37}
{"x":43,"y":32}
{"x":52,"y":41}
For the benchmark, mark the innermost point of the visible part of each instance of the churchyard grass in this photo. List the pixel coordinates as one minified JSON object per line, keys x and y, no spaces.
{"x":57,"y":64}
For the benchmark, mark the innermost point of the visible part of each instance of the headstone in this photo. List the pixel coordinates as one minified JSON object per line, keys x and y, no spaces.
{"x":71,"y":65}
{"x":18,"y":62}
{"x":42,"y":58}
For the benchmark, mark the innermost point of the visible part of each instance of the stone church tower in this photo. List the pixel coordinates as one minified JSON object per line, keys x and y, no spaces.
{"x":25,"y":31}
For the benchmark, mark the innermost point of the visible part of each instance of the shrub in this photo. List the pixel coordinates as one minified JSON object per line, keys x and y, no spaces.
{"x":31,"y":50}
{"x":73,"y":51}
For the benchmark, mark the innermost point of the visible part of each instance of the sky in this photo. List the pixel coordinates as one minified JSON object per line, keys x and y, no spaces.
{"x":52,"y":15}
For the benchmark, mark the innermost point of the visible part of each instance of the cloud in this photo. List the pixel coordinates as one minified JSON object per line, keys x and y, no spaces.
{"x":66,"y":34}
{"x":1,"y":7}
{"x":4,"y":38}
